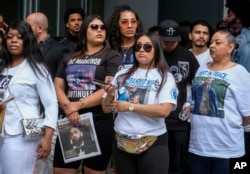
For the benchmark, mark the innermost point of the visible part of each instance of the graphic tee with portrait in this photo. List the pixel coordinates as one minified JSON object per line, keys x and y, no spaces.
{"x":78,"y":74}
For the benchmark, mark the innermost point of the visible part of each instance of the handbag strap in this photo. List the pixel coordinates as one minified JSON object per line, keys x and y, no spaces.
{"x":10,"y":93}
{"x":12,"y":80}
{"x":15,"y":102}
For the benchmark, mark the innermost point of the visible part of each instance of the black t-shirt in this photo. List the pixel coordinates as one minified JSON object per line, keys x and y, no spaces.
{"x":78,"y":74}
{"x":127,"y":58}
{"x":183,"y":65}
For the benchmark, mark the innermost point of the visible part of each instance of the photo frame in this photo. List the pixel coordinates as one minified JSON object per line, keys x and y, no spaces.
{"x":80,"y":141}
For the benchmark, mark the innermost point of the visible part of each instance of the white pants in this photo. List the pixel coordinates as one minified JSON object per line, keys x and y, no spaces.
{"x":17,"y":155}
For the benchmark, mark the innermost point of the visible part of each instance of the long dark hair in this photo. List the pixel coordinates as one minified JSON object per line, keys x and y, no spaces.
{"x":82,"y":42}
{"x":113,"y":31}
{"x":31,"y":50}
{"x":158,"y":61}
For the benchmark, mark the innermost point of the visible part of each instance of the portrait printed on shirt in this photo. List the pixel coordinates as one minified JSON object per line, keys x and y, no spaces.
{"x":4,"y":81}
{"x":80,"y":77}
{"x":135,"y":90}
{"x":181,"y":71}
{"x":208,"y":94}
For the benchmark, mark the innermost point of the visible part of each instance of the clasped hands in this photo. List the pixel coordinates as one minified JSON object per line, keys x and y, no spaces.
{"x":115,"y":105}
{"x":71,"y":111}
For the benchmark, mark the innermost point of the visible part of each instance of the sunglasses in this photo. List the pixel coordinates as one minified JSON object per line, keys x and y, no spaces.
{"x":95,"y":27}
{"x":147,"y":47}
{"x":126,"y":23}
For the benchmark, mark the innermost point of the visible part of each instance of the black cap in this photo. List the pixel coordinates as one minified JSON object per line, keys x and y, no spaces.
{"x":169,"y":31}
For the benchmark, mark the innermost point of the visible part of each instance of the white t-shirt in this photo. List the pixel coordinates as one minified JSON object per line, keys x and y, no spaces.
{"x":28,"y":89}
{"x":221,"y":99}
{"x":204,"y":57}
{"x":142,"y":89}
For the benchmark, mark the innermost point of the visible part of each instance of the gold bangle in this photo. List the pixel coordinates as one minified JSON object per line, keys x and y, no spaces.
{"x":81,"y":100}
{"x":131,"y":107}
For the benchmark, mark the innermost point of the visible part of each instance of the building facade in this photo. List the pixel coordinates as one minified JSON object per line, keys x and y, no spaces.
{"x":151,"y":12}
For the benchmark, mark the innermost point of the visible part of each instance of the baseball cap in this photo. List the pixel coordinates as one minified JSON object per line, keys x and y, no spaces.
{"x":169,"y":31}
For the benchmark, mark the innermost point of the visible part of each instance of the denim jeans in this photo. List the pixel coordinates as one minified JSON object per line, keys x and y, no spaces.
{"x":208,"y":165}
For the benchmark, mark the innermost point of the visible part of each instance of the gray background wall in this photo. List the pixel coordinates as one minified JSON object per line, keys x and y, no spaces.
{"x":146,"y":9}
{"x":150,"y":11}
{"x":191,"y":10}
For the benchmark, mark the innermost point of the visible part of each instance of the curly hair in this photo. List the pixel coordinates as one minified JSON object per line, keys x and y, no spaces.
{"x":113,"y":31}
{"x":241,"y":10}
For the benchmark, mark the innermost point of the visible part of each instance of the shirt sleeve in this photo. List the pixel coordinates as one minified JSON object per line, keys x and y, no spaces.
{"x":113,"y":61}
{"x":46,"y":91}
{"x":169,"y":92}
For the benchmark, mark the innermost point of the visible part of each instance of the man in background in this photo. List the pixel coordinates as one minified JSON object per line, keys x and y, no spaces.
{"x":200,"y":32}
{"x":183,"y":65}
{"x":73,"y":19}
{"x":3,"y":25}
{"x":52,"y":51}
{"x":238,"y":20}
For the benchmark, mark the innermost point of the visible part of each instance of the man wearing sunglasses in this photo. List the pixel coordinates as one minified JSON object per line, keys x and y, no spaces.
{"x":183,"y":65}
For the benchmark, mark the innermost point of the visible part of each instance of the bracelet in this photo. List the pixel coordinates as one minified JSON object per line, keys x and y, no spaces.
{"x":81,"y":100}
{"x":131,"y":107}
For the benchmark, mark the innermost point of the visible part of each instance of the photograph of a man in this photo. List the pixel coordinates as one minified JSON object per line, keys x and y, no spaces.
{"x":81,"y":140}
{"x":205,"y":98}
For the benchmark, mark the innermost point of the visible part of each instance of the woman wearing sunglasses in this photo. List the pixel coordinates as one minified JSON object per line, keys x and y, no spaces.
{"x":141,"y":135}
{"x":123,"y":25}
{"x":77,"y":94}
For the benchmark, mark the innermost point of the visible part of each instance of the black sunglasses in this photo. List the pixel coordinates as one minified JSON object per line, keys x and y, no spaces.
{"x":146,"y":47}
{"x":96,"y":27}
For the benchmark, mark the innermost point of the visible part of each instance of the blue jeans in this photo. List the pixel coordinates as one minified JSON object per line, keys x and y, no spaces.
{"x":208,"y":165}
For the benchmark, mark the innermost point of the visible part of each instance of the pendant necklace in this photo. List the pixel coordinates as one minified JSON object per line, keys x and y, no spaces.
{"x":124,"y":52}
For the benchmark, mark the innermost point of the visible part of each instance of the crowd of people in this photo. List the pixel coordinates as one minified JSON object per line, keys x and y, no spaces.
{"x":149,"y":77}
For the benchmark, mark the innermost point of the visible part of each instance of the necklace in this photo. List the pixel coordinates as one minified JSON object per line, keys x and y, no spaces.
{"x":127,"y":59}
{"x":125,"y":50}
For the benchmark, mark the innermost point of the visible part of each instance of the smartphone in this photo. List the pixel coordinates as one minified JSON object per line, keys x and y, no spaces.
{"x":99,"y":82}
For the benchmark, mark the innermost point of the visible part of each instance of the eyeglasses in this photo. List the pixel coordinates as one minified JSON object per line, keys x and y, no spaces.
{"x":147,"y":47}
{"x":126,"y":23}
{"x":95,"y":27}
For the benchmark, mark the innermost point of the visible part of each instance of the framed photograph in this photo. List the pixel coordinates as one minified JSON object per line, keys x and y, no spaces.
{"x":80,"y":141}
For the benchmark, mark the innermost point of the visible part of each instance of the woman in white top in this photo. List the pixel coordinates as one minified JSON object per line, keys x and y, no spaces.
{"x":150,"y":96}
{"x":220,"y":92}
{"x":24,"y":75}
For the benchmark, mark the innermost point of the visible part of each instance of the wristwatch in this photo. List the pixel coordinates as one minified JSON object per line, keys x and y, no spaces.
{"x":131,"y":107}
